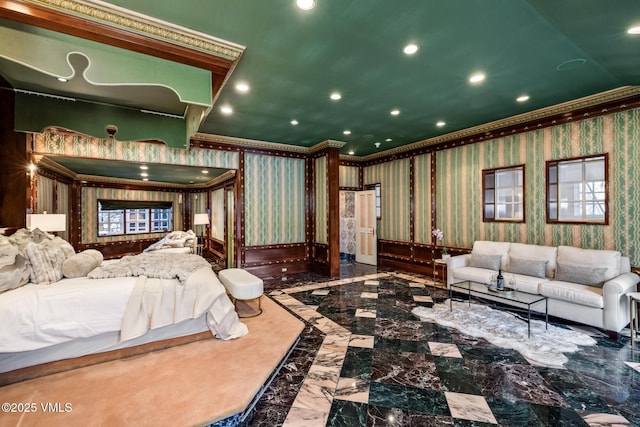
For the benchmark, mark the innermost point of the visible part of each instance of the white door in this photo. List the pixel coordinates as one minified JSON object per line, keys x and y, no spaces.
{"x":366,"y":237}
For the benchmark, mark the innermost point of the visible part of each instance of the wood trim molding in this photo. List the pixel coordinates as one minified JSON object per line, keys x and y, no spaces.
{"x":119,"y":27}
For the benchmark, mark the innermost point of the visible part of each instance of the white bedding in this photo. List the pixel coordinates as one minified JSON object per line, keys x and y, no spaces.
{"x":38,"y":316}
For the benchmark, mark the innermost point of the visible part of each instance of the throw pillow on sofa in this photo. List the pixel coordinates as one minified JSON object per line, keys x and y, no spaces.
{"x":581,"y":274}
{"x":490,"y":262}
{"x":528,"y":267}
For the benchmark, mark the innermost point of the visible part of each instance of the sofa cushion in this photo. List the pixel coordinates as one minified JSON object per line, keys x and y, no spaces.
{"x":485,"y":247}
{"x":474,"y":274}
{"x":536,"y":252}
{"x":490,"y":262}
{"x":527,"y":284}
{"x":611,"y":260}
{"x":528,"y":267}
{"x":579,"y":273}
{"x":573,"y":292}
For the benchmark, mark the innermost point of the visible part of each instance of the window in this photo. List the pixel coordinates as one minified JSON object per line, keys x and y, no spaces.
{"x":130,"y":217}
{"x":503,"y":194}
{"x":577,"y":190}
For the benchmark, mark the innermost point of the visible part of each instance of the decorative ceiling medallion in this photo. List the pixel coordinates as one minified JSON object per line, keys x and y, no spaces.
{"x":98,"y":11}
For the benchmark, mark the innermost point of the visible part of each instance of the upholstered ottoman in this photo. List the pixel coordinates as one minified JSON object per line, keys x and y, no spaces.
{"x":242,"y":285}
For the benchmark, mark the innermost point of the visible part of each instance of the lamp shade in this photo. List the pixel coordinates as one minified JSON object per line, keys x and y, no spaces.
{"x":201,"y":219}
{"x":47,"y":222}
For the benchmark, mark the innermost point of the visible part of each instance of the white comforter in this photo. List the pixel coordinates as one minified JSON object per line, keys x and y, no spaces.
{"x":37,"y":316}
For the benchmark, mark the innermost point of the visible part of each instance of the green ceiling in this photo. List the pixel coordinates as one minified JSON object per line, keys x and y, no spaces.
{"x":176,"y":174}
{"x":294,"y":59}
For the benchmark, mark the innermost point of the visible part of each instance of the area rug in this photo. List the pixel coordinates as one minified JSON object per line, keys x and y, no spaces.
{"x":193,"y":384}
{"x":507,"y":330}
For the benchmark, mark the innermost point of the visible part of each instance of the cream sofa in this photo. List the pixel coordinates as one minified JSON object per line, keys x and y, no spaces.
{"x":583,"y":285}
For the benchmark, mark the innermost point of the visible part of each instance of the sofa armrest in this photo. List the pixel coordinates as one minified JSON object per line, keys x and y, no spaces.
{"x":616,"y":302}
{"x":456,"y":262}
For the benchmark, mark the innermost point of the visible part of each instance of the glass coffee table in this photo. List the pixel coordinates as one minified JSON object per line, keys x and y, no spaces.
{"x":523,"y":300}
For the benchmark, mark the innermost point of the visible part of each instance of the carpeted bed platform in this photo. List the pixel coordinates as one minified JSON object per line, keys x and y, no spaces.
{"x":192,"y":384}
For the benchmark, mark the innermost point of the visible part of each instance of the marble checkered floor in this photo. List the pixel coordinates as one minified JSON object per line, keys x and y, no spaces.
{"x":365,"y":360}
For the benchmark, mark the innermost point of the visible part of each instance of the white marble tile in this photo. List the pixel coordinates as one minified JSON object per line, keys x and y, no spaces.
{"x":444,"y":349}
{"x":606,"y":420}
{"x":422,"y":298}
{"x":321,"y":292}
{"x":339,"y":341}
{"x":314,"y":395}
{"x":325,"y":376}
{"x":370,"y":295}
{"x":353,"y":390}
{"x":371,"y":282}
{"x":416,"y":285}
{"x":313,"y":307}
{"x":634,"y":365}
{"x":300,"y":417}
{"x":469,"y":407}
{"x":366,"y":312}
{"x":363,"y":341}
{"x":329,"y":358}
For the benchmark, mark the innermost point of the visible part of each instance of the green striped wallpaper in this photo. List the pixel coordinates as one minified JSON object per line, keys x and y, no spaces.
{"x":422,"y":198}
{"x":321,"y":182}
{"x":274,"y":200}
{"x":395,"y":204}
{"x":459,"y":193}
{"x":349,"y":176}
{"x":198,"y":205}
{"x":89,"y":147}
{"x":89,"y":214}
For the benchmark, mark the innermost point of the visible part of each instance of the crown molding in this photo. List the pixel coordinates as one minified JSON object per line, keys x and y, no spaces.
{"x":249,"y":143}
{"x":566,"y":108}
{"x":329,"y":143}
{"x":115,"y":16}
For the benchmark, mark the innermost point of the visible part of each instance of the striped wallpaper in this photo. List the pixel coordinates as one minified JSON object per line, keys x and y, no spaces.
{"x":349,"y":176}
{"x":133,"y":151}
{"x":459,"y":177}
{"x":274,"y":200}
{"x":89,"y":214}
{"x":393,"y":178}
{"x":217,"y":214}
{"x":322,"y":194}
{"x":422,"y":198}
{"x":199,"y":205}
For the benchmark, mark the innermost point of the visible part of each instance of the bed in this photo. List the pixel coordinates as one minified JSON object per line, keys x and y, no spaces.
{"x":121,"y":305}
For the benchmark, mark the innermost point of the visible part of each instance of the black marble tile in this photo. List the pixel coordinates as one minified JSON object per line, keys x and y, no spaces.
{"x":455,"y":376}
{"x":363,"y":326}
{"x":357,"y":363}
{"x":393,"y":344}
{"x":513,"y":413}
{"x":388,"y":395}
{"x":347,"y":414}
{"x":267,"y":415}
{"x":400,"y":329}
{"x":378,"y":416}
{"x":408,"y":369}
{"x":555,"y":416}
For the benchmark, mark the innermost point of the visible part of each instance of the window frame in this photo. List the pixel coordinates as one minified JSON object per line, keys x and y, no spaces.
{"x":549,"y":183}
{"x":125,"y":222}
{"x":493,"y":171}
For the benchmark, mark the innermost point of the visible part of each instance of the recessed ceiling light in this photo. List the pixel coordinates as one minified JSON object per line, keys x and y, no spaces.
{"x":62,"y":79}
{"x":204,"y":171}
{"x":242,"y":87}
{"x":335,"y":96}
{"x":440,"y":123}
{"x":388,"y":140}
{"x":145,"y":179}
{"x":351,"y":152}
{"x":226,"y":109}
{"x":294,"y":122}
{"x":144,"y":167}
{"x":306,"y":4}
{"x":410,"y":49}
{"x":634,"y":30}
{"x":522,"y":98}
{"x":347,"y":132}
{"x":477,"y":77}
{"x":377,"y":144}
{"x":395,"y":112}
{"x":144,"y":174}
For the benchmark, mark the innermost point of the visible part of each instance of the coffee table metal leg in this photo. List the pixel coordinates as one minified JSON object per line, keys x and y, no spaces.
{"x":529,"y":321}
{"x":546,"y":313}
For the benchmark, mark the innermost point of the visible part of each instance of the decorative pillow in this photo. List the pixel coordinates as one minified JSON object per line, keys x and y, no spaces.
{"x":581,"y":274}
{"x":46,"y":259}
{"x":13,"y":268}
{"x":80,"y":264}
{"x":491,"y":262}
{"x":528,"y":267}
